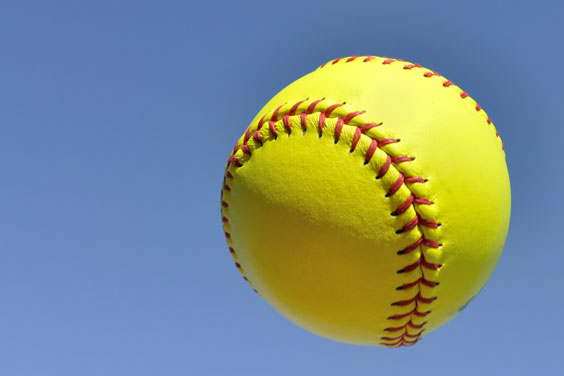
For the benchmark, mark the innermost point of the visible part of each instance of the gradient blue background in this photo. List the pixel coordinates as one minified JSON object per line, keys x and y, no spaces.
{"x":116,"y":119}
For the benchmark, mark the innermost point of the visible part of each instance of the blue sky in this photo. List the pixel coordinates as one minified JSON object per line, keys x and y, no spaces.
{"x":116,"y":119}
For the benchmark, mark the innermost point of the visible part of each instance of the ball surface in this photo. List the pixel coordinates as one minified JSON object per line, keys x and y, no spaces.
{"x":368,"y":201}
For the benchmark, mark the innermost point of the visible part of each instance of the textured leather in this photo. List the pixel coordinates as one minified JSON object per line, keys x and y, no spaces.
{"x":310,"y":225}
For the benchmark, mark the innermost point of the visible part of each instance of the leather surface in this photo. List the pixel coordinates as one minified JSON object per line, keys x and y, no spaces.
{"x":312,"y":229}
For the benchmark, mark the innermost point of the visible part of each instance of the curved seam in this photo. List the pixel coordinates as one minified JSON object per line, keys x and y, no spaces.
{"x":301,"y":112}
{"x":426,"y":73}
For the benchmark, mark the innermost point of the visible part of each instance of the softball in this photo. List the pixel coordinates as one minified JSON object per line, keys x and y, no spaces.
{"x":368,"y":201}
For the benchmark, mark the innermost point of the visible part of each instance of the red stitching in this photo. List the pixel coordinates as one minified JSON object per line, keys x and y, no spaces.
{"x":350,"y":116}
{"x":405,"y":338}
{"x":400,"y":159}
{"x":256,"y":137}
{"x":272,"y":128}
{"x":294,"y":108}
{"x":303,"y":121}
{"x":356,"y":137}
{"x":321,"y":123}
{"x":311,"y":107}
{"x":396,"y":186}
{"x":338,"y":129}
{"x":404,"y":205}
{"x":365,"y":128}
{"x":286,"y":121}
{"x":385,"y":166}
{"x":370,"y":151}
{"x":331,"y":108}
{"x":387,"y":141}
{"x":415,"y":283}
{"x":274,"y":116}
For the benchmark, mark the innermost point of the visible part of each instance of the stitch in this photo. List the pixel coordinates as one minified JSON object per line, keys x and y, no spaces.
{"x":321,"y":123}
{"x":478,"y":108}
{"x":303,"y":121}
{"x":463,"y":95}
{"x":246,"y":149}
{"x":431,"y":243}
{"x":235,"y":161}
{"x":369,"y":126}
{"x":428,"y":223}
{"x":416,"y":282}
{"x":331,"y":108}
{"x":286,"y":122}
{"x":247,"y":135}
{"x":295,"y":108}
{"x":416,"y":298}
{"x":399,"y":317}
{"x":311,"y":107}
{"x":415,"y":335}
{"x":259,"y":126}
{"x":387,"y":141}
{"x":420,"y":262}
{"x":409,"y":225}
{"x":368,"y":58}
{"x":411,"y":66}
{"x":384,"y":168}
{"x":411,"y":247}
{"x":274,"y":116}
{"x":421,"y":314}
{"x":423,"y":201}
{"x":336,"y":60}
{"x":403,"y":335}
{"x":356,"y":138}
{"x":370,"y":151}
{"x":401,"y":158}
{"x":272,"y":128}
{"x":338,"y":129}
{"x":388,"y":61}
{"x":416,"y":326}
{"x":352,"y":58}
{"x":351,"y":116}
{"x":415,"y":179}
{"x":403,"y":206}
{"x":447,"y":83}
{"x":256,"y":137}
{"x":397,"y":184}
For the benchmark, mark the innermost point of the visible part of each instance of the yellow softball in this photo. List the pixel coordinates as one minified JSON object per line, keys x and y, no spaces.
{"x":368,"y":201}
